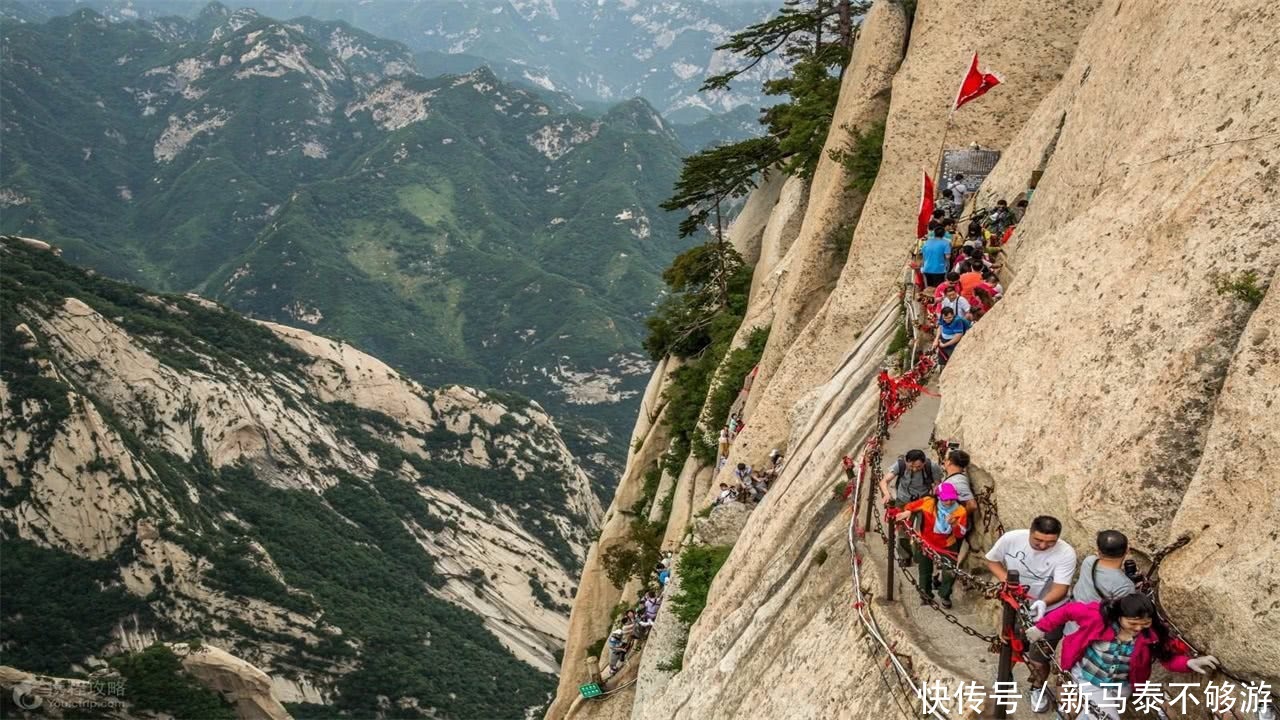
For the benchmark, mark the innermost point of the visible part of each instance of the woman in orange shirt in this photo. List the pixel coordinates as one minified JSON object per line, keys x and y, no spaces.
{"x":945,"y":523}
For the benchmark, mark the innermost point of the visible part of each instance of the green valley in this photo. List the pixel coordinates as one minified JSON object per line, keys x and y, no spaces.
{"x":460,"y":228}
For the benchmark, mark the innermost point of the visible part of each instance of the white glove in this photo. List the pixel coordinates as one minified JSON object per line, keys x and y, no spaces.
{"x":1037,"y":610}
{"x":1203,"y":664}
{"x":1034,"y":634}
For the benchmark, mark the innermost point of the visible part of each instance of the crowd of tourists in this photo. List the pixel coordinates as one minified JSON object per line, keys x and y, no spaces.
{"x":1109,"y":629}
{"x":633,"y":626}
{"x":956,"y":274}
{"x":750,"y":484}
{"x":1100,"y":613}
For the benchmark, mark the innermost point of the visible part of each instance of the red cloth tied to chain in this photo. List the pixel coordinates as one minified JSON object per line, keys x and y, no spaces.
{"x":1018,"y":647}
{"x":1015,"y":596}
{"x":897,"y":393}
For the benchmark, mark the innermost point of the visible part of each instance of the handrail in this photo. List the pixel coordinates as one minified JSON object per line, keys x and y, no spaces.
{"x":863,"y":608}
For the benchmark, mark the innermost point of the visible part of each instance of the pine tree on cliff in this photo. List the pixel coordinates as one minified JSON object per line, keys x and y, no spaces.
{"x":816,"y":37}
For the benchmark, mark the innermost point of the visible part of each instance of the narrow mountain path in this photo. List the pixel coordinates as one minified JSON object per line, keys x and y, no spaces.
{"x":944,"y":643}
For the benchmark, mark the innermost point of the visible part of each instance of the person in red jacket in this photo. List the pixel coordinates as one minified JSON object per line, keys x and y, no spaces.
{"x":945,"y":523}
{"x":1116,"y":644}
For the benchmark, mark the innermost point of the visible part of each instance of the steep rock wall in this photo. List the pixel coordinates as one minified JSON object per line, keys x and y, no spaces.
{"x":1030,"y":43}
{"x":1154,"y":397}
{"x":812,"y":262}
{"x":746,"y":233}
{"x":772,"y":265}
{"x":1114,"y":386}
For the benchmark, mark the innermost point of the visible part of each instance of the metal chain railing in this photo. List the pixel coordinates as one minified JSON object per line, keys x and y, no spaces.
{"x":991,"y":640}
{"x":862,"y":601}
{"x":896,"y":396}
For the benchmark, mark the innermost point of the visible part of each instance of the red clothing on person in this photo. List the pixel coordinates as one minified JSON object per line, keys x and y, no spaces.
{"x":941,"y":291}
{"x":969,"y":281}
{"x":927,"y":506}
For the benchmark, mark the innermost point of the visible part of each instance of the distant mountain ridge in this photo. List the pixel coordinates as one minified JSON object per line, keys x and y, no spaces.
{"x":595,"y":51}
{"x":459,"y":227}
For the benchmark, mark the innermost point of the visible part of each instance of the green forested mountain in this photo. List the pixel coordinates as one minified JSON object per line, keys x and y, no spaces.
{"x":460,"y":228}
{"x":170,"y":471}
{"x":595,"y":51}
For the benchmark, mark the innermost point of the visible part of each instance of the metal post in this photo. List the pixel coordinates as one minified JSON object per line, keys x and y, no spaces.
{"x":942,"y":151}
{"x":871,"y":501}
{"x":893,"y":549}
{"x":1009,"y":623}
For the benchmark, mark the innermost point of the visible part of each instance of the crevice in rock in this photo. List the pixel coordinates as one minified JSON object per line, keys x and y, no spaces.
{"x":1236,"y":335}
{"x":909,"y":11}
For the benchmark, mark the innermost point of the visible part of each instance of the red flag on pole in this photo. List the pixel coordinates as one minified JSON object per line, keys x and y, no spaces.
{"x":975,"y":84}
{"x":926,"y":206}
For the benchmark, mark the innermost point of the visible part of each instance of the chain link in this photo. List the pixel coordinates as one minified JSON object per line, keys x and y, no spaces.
{"x":903,"y":397}
{"x":971,"y":581}
{"x":990,"y":511}
{"x":1064,"y":678}
{"x":991,"y":640}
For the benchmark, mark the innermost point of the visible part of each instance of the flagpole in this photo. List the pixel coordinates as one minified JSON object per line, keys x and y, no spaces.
{"x":942,"y":149}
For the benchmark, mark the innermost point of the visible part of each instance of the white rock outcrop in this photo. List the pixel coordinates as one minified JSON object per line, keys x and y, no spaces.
{"x":91,"y":486}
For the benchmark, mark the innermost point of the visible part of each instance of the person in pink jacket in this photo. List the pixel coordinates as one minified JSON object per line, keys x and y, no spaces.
{"x":1116,"y":644}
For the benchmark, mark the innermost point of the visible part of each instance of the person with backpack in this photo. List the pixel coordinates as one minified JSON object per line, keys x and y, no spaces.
{"x":617,"y":651}
{"x":726,"y":496}
{"x":664,"y":574}
{"x":945,"y":524}
{"x":1116,"y":644}
{"x":952,"y":298}
{"x":915,"y":476}
{"x":946,"y":205}
{"x":649,"y":614}
{"x":959,"y":190}
{"x":1105,"y":576}
{"x":956,"y":469}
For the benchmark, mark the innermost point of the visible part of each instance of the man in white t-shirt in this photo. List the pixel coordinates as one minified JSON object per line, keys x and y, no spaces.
{"x":959,"y":191}
{"x":954,"y":300}
{"x":1045,"y":564}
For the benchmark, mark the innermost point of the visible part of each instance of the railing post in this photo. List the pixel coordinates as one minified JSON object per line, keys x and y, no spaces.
{"x":893,"y":548}
{"x":593,"y":670}
{"x":871,"y":502}
{"x":1009,"y":623}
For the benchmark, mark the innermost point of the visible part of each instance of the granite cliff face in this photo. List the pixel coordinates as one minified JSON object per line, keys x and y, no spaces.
{"x":1115,"y":386}
{"x":275,"y":492}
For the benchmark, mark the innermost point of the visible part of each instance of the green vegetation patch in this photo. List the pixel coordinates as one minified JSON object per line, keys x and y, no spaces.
{"x":697,"y":567}
{"x":373,"y":581}
{"x":58,"y":608}
{"x":732,"y":370}
{"x":861,"y":155}
{"x":154,"y":681}
{"x":1244,"y":286}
